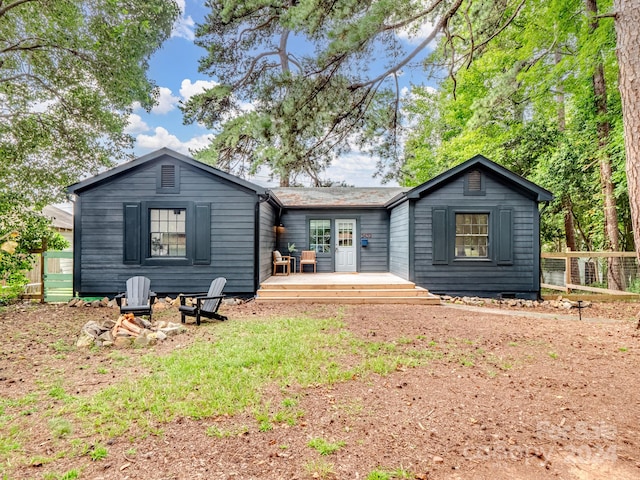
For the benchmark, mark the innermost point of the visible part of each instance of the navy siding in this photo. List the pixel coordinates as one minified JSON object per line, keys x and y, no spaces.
{"x":267,"y":239}
{"x":399,"y":241}
{"x":374,"y":223}
{"x":101,"y":224}
{"x":479,"y":278}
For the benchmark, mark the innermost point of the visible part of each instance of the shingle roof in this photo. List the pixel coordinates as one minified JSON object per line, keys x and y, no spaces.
{"x":337,"y":196}
{"x":59,"y":218}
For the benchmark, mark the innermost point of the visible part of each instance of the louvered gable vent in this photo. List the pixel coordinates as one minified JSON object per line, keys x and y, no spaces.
{"x":167,"y":176}
{"x":475,"y":181}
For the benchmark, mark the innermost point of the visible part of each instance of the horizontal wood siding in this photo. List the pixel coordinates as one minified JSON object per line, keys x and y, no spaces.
{"x":374,"y":223}
{"x":232,"y":234}
{"x":267,"y":239}
{"x":399,"y":241}
{"x":479,"y":278}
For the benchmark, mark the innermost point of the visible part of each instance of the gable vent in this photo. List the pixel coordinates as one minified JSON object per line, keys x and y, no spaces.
{"x":474,"y":179}
{"x":167,"y":176}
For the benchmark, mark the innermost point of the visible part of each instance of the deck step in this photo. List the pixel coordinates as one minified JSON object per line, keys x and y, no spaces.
{"x":343,"y":292}
{"x":372,"y":294}
{"x":337,"y":286}
{"x":430,"y":300}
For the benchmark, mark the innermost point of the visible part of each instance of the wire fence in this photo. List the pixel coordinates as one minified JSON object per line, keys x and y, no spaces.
{"x":613,"y":273}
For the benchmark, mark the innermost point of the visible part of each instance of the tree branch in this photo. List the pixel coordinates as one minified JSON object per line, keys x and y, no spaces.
{"x":500,"y":30}
{"x":15,"y":4}
{"x":439,"y":26}
{"x":252,"y":66}
{"x":417,"y":16}
{"x":257,"y":27}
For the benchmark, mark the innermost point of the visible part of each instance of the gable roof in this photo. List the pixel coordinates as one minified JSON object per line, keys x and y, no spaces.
{"x":303,"y":197}
{"x":59,"y":218}
{"x":529,"y":188}
{"x":153,"y":156}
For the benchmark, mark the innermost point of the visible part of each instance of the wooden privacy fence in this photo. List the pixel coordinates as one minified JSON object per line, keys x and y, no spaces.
{"x":591,"y":272}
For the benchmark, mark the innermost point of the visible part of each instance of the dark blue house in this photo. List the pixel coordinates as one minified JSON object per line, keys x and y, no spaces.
{"x":472,"y":230}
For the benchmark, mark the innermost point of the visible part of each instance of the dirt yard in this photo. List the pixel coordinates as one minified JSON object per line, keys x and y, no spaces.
{"x":517,"y":393}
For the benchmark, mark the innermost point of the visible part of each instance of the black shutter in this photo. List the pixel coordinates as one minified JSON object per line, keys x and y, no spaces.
{"x":505,"y":237}
{"x":202,"y":240}
{"x":131,"y":233}
{"x":439,"y":236}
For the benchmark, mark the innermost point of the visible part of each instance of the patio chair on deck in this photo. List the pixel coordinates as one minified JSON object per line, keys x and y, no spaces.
{"x":280,"y":261}
{"x":307,"y":257}
{"x":138,"y":299}
{"x":206,"y":305}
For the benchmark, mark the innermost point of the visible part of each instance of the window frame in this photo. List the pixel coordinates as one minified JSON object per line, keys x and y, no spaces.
{"x":455,"y":235}
{"x":331,"y":233}
{"x":167,"y":223}
{"x":451,"y":236}
{"x":147,"y":258}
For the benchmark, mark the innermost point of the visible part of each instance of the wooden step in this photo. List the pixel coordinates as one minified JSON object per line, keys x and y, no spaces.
{"x":334,"y":292}
{"x":430,"y":300}
{"x":337,"y":286}
{"x":381,"y":288}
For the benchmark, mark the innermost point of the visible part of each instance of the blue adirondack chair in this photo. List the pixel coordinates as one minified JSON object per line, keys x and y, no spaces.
{"x":206,"y":304}
{"x":138,"y":299}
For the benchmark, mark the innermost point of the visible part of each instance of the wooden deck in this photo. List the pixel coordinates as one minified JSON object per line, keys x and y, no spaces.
{"x":343,"y":288}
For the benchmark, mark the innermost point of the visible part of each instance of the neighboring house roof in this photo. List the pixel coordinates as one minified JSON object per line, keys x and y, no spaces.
{"x":303,"y":197}
{"x":140,"y":161}
{"x":529,"y":188}
{"x":59,"y":218}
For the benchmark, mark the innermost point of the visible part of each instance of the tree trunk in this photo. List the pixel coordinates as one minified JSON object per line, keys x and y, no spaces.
{"x":570,"y":238}
{"x":567,"y":205}
{"x":615,"y":277}
{"x":627,"y":21}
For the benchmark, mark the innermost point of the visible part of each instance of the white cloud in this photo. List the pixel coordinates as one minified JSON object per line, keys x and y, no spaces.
{"x":136,"y":124}
{"x":183,"y":28}
{"x":162,"y":138}
{"x":167,"y":101}
{"x":355,"y":169}
{"x":415,"y":35}
{"x":188,"y":89}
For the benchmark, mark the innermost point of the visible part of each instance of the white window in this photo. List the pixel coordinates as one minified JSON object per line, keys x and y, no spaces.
{"x":472,"y":235}
{"x":167,"y":231}
{"x":320,"y":236}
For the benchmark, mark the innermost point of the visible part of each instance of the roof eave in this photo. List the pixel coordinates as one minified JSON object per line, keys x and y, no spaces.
{"x":139,"y":161}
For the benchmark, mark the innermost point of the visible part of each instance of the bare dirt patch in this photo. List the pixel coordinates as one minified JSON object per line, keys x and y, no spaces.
{"x":506,"y":395}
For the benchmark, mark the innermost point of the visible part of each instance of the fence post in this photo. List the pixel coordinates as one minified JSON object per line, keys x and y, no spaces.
{"x":567,"y":271}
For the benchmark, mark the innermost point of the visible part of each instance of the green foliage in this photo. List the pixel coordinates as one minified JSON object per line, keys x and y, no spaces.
{"x":21,"y":231}
{"x":69,"y":72}
{"x":527,"y":102}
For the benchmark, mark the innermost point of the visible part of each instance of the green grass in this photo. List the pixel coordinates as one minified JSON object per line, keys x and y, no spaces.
{"x":98,"y":452}
{"x":324,"y":447}
{"x":320,"y":469}
{"x":398,"y":473}
{"x":227,"y":376}
{"x":70,"y":475}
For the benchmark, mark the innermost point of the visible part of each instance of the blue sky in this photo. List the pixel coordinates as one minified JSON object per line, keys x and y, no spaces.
{"x":174,"y":68}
